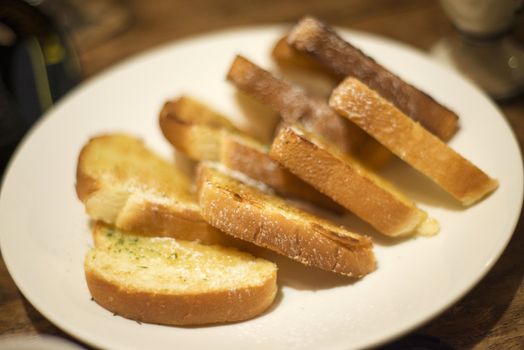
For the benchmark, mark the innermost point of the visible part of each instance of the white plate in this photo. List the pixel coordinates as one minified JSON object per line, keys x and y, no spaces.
{"x":44,"y":231}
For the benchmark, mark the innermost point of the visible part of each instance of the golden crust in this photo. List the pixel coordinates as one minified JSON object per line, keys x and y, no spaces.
{"x":288,"y":56}
{"x":191,"y":111}
{"x":156,"y":220}
{"x":256,"y":164}
{"x":179,"y":307}
{"x":322,"y":43}
{"x":295,"y":105}
{"x":370,"y":152}
{"x":249,"y":214}
{"x":198,"y":141}
{"x":347,"y":182}
{"x":181,"y":310}
{"x":216,"y":141}
{"x":85,"y":184}
{"x":124,"y":184}
{"x":411,"y":142}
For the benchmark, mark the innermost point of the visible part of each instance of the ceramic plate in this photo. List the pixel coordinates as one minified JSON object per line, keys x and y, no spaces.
{"x":44,"y":231}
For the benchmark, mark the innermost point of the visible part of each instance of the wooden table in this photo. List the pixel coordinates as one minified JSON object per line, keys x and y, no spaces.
{"x":490,"y":316}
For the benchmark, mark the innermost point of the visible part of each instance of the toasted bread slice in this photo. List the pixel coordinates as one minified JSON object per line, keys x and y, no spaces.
{"x":176,"y":282}
{"x":214,"y":138}
{"x":325,"y":45}
{"x":288,"y":56}
{"x":350,"y":184}
{"x":195,"y":129}
{"x":123,"y":183}
{"x":294,"y":104}
{"x":244,"y":211}
{"x":411,"y":142}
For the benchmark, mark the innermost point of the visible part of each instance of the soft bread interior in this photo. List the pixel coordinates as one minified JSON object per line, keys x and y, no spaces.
{"x":167,"y":265}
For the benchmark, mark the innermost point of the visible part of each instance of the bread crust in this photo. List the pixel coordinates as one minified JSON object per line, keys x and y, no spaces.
{"x":151,"y":219}
{"x":181,"y":309}
{"x":258,"y":165}
{"x":315,"y":38}
{"x":85,"y":184}
{"x":347,"y":182}
{"x":193,"y":128}
{"x":287,"y":56}
{"x":136,"y":211}
{"x":235,"y":150}
{"x":196,"y":141}
{"x":295,"y":105}
{"x":411,"y":142}
{"x":247,"y":213}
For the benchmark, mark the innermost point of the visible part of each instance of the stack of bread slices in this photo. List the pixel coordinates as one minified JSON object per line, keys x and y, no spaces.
{"x":180,"y":250}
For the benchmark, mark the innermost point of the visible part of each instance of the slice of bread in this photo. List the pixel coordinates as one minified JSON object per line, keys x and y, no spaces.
{"x":288,"y":56}
{"x":176,"y":282}
{"x":123,"y":183}
{"x":214,"y":138}
{"x":350,"y":184}
{"x":325,"y":45}
{"x":411,"y":142}
{"x":294,"y":104}
{"x":243,"y":210}
{"x":194,"y":129}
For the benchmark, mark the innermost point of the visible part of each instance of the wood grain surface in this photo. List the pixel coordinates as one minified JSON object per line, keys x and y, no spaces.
{"x":491,"y":316}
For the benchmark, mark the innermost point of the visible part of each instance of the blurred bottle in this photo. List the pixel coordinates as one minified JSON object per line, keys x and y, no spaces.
{"x":484,"y":49}
{"x":482,"y":18}
{"x":38,"y":65}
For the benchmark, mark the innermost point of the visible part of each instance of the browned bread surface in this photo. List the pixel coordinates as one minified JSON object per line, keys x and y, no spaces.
{"x":286,"y":55}
{"x":321,"y":42}
{"x":214,"y":139}
{"x":123,"y":183}
{"x":349,"y":183}
{"x":248,"y":213}
{"x":411,"y":142}
{"x":294,"y":104}
{"x":255,"y":162}
{"x":193,"y":128}
{"x":166,"y":281}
